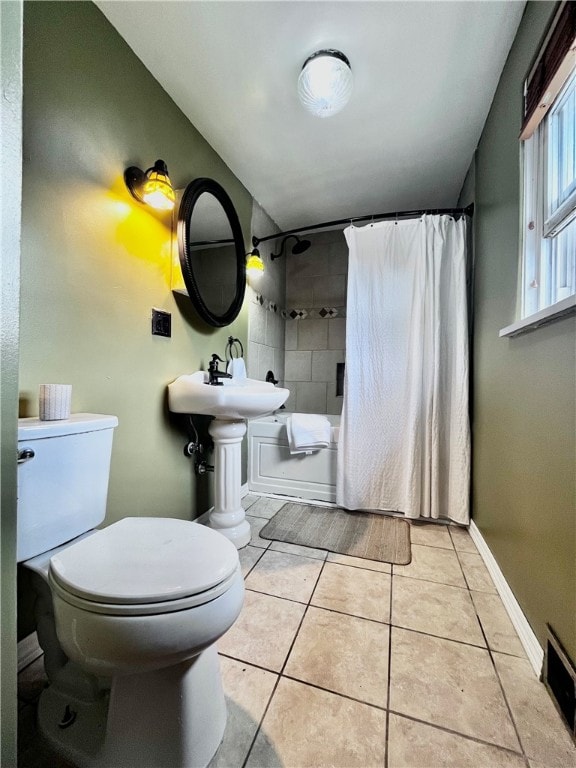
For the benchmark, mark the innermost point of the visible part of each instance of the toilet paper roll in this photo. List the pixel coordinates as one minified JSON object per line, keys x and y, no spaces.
{"x":55,"y":401}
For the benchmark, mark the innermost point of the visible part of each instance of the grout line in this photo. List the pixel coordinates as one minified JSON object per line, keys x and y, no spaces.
{"x":455,"y":733}
{"x":430,"y":581}
{"x":254,"y":564}
{"x":440,"y":637}
{"x":351,"y":615}
{"x":508,"y":707}
{"x":387,"y":737}
{"x":335,"y":693}
{"x":280,"y":674}
{"x":248,"y":663}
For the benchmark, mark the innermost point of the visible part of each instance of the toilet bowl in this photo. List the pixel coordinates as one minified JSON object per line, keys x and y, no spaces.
{"x":143,"y":602}
{"x":128,"y":615}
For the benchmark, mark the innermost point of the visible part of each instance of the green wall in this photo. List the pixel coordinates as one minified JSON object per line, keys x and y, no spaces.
{"x":95,"y":262}
{"x":10,"y":185}
{"x":524,"y":388}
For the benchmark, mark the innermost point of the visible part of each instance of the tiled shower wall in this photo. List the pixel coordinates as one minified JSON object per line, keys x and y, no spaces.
{"x":266,"y":297}
{"x":315,"y":322}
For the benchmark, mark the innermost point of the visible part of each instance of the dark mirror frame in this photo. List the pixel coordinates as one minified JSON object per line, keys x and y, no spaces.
{"x":189,"y":199}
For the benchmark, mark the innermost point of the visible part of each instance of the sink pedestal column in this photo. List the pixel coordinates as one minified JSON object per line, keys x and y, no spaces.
{"x":228,"y":516}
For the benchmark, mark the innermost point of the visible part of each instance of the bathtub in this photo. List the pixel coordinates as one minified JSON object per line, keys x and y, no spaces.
{"x":273,"y":469}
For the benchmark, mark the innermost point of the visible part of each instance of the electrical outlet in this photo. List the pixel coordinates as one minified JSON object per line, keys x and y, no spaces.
{"x":161,"y":323}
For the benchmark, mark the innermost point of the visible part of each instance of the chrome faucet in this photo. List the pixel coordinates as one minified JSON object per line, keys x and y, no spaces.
{"x":214,"y":375}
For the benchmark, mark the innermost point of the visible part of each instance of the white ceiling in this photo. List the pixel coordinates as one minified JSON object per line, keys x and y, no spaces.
{"x":424,"y":78}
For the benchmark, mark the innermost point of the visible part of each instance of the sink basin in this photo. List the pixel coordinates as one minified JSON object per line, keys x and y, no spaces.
{"x":245,"y":399}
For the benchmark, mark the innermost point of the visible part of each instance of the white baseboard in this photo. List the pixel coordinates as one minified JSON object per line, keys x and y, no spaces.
{"x":527,"y":637}
{"x":28,"y":651}
{"x":244,"y":490}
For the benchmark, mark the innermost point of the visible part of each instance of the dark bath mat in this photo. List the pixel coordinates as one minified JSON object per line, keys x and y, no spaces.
{"x":359,"y":534}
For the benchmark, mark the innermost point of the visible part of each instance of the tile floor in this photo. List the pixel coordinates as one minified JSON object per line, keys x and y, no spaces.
{"x":341,"y":662}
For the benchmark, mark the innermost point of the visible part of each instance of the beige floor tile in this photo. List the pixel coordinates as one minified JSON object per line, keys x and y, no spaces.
{"x":264,"y":631}
{"x":265,"y":507}
{"x":247,"y":691}
{"x":433,"y":564}
{"x":476,"y":573}
{"x":462,"y":540}
{"x":437,"y":609}
{"x":496,"y":623}
{"x":297,"y":549}
{"x":248,"y":500}
{"x":256,"y":524}
{"x":343,"y":654}
{"x":354,"y":591}
{"x":542,"y":732}
{"x":309,"y":728}
{"x":290,"y":576}
{"x":418,"y":745}
{"x":449,"y":684}
{"x":359,"y":562}
{"x":249,"y":556}
{"x":538,"y":764}
{"x":431,"y":535}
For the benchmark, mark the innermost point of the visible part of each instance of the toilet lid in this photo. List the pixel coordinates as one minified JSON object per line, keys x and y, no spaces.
{"x":145,"y":560}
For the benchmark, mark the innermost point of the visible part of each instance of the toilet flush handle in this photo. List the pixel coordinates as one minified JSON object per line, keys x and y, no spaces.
{"x":25,"y":454}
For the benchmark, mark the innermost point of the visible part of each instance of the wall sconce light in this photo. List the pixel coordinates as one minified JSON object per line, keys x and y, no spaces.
{"x":299,"y":246}
{"x":254,"y":263}
{"x":152,"y":187}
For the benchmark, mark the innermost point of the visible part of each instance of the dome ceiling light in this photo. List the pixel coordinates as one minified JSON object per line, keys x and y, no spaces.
{"x":325,"y":82}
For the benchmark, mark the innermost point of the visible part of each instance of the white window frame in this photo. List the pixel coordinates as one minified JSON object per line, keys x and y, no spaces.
{"x":542,"y":223}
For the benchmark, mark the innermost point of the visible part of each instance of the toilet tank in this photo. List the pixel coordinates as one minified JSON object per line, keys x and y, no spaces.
{"x":63,"y":470}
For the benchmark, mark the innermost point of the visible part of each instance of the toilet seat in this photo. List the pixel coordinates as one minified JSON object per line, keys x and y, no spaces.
{"x":141,"y":566}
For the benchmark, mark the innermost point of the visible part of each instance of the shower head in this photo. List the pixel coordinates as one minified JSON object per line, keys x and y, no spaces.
{"x":299,"y":246}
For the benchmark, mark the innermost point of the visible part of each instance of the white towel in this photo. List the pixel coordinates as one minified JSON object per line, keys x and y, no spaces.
{"x":307,"y":432}
{"x":237,"y":369}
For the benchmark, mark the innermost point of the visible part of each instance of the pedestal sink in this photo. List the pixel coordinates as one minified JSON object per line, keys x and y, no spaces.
{"x":231,"y":404}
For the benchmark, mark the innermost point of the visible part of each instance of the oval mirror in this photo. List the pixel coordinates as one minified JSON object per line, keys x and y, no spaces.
{"x":211,"y":249}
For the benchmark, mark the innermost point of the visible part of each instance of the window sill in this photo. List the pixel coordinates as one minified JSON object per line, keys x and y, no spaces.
{"x":545,"y":316}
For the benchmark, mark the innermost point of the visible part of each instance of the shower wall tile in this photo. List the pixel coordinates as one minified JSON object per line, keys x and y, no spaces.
{"x":274,"y":330}
{"x":333,"y":403}
{"x":257,"y":323}
{"x":279,"y":365}
{"x":298,"y":366}
{"x":337,"y":333}
{"x":290,"y":403}
{"x":310,"y":397}
{"x":265,"y":362}
{"x":265,"y":347}
{"x":316,"y":281}
{"x":291,"y":336}
{"x":299,"y":291}
{"x":312,"y":334}
{"x":315,"y":261}
{"x":329,"y":291}
{"x":324,"y":364}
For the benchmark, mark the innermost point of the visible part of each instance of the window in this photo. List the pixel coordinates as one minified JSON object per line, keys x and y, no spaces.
{"x":549,"y":155}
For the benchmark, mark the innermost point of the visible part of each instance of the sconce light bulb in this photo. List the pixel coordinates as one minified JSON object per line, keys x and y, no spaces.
{"x":159,"y":198}
{"x":254,"y":264}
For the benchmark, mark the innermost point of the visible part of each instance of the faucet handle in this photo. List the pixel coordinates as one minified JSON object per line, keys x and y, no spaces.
{"x":213,"y":366}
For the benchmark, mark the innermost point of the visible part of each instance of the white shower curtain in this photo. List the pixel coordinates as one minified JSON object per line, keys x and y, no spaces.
{"x":404,"y":439}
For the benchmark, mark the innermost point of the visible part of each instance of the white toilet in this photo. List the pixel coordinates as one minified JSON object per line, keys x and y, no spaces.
{"x":128,"y":616}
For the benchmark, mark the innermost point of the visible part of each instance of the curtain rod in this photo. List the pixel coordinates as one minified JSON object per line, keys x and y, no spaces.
{"x":468,"y":211}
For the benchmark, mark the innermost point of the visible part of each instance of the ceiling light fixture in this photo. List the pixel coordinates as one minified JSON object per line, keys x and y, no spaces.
{"x":325,"y":82}
{"x":152,"y":187}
